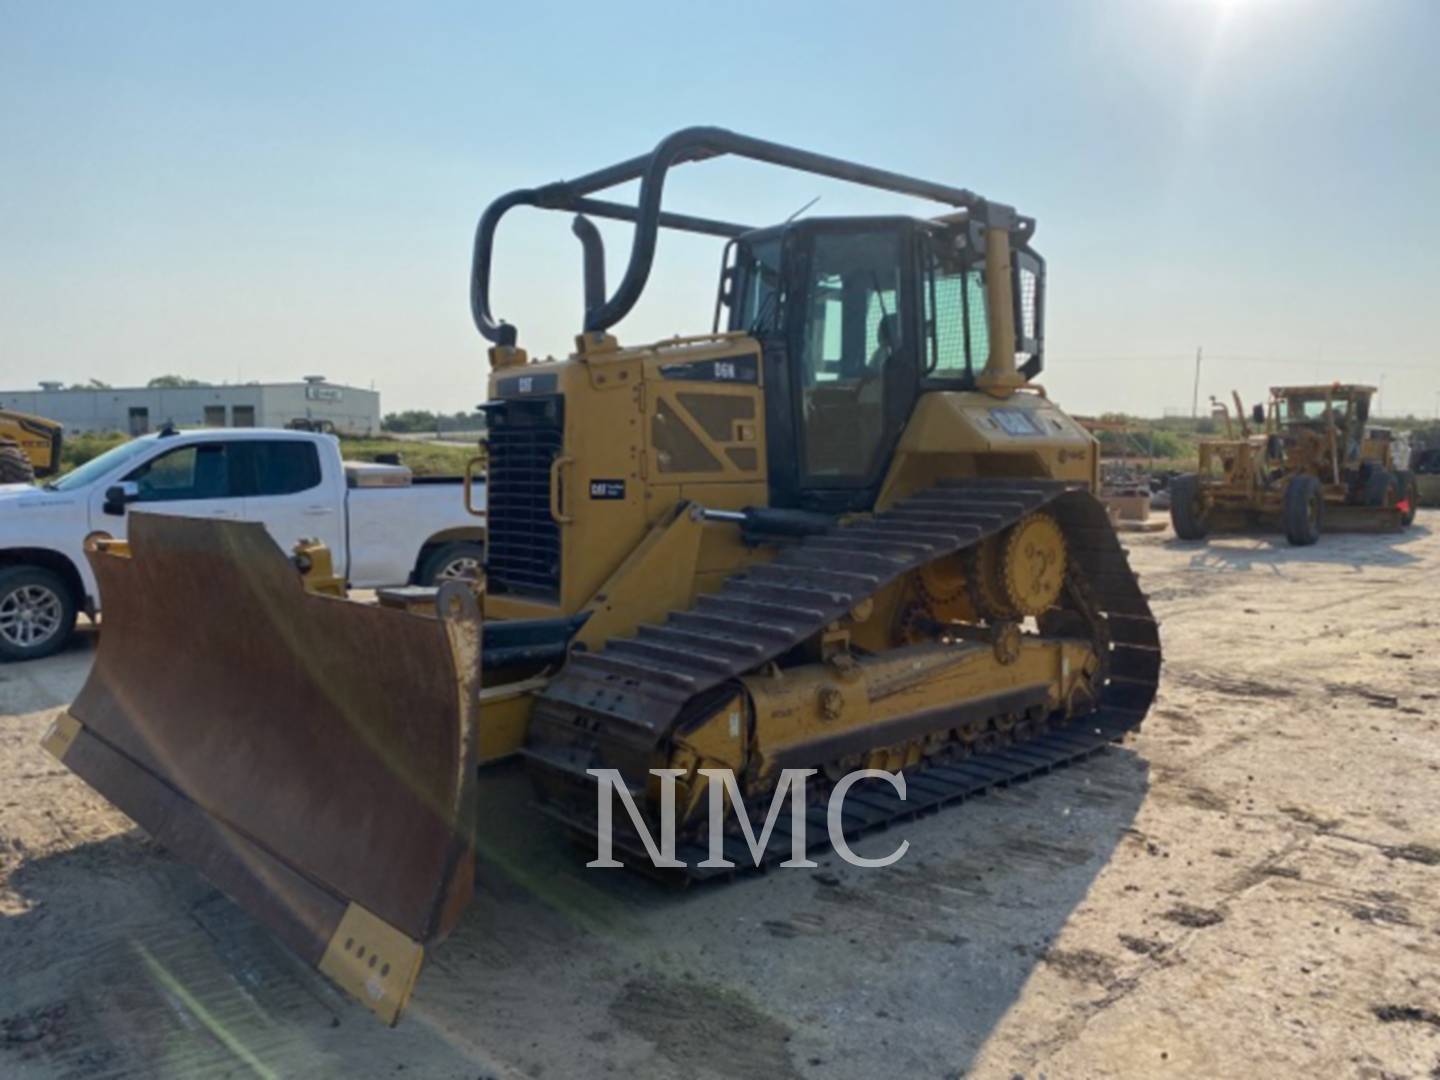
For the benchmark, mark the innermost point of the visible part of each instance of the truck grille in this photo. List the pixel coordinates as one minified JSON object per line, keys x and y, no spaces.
{"x":522,"y":546}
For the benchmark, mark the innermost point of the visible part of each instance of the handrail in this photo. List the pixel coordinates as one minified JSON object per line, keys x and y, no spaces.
{"x":688,"y":144}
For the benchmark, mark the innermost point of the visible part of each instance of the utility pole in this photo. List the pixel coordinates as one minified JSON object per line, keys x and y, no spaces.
{"x":1195,"y":397}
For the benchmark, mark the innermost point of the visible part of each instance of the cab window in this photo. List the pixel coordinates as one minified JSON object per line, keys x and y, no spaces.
{"x":285,"y":467}
{"x":853,"y":333}
{"x":957,"y":337}
{"x":197,"y":471}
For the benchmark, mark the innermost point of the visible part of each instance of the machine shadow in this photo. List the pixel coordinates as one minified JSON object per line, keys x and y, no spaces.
{"x":32,"y":686}
{"x":867,"y":971}
{"x":1249,"y":552}
{"x":120,"y":960}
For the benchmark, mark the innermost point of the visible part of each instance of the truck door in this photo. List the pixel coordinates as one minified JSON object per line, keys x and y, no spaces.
{"x":193,"y":480}
{"x":285,"y":489}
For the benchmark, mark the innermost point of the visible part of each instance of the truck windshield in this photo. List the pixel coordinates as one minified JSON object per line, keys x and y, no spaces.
{"x":98,"y":466}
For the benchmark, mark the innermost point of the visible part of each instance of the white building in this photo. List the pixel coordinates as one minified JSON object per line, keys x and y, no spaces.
{"x":134,"y":411}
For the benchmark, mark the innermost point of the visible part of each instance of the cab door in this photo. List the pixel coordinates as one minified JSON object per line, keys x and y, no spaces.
{"x":855,"y":358}
{"x":193,"y":480}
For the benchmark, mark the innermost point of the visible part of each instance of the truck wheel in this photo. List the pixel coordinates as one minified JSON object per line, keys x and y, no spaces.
{"x":1409,"y":497}
{"x":15,"y":467}
{"x":458,"y":561}
{"x":37,"y":612}
{"x":1186,"y":513}
{"x":1380,"y":488}
{"x":1304,"y":507}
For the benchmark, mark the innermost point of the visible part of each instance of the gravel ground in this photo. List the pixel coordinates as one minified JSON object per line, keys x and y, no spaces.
{"x":1249,"y":887}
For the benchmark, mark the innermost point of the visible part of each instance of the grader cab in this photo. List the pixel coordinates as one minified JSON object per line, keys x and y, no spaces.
{"x":1312,"y":463}
{"x":842,"y":529}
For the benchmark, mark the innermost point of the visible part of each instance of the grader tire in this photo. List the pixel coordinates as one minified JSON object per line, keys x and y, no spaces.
{"x":15,"y":467}
{"x":1186,"y":514}
{"x":1304,"y":507}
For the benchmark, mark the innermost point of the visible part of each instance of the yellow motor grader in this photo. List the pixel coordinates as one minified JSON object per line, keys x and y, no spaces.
{"x":29,"y":447}
{"x":844,"y":528}
{"x":1312,"y":463}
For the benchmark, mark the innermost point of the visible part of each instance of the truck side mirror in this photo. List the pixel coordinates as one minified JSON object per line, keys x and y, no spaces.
{"x":118,"y":496}
{"x":1258,"y":414}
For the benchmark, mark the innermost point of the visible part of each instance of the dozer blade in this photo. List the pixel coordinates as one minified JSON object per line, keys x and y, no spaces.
{"x":313,"y":757}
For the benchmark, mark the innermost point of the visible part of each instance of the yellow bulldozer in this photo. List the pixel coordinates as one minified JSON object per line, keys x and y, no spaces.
{"x":29,"y":447}
{"x":1309,"y":462}
{"x":842,"y":529}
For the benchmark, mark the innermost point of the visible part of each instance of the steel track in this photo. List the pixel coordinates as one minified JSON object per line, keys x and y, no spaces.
{"x":615,"y":707}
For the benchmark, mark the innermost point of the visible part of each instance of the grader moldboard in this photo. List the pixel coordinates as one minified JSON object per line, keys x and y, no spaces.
{"x":845,"y":529}
{"x":1313,"y":464}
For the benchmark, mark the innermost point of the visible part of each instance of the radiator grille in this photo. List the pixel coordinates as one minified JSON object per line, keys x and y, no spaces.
{"x":522,"y":548}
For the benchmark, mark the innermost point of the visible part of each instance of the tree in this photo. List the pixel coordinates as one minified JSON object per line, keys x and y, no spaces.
{"x":408,"y":421}
{"x":173,"y":382}
{"x":423,"y":421}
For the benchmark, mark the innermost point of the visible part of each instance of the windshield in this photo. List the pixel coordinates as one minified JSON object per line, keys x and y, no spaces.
{"x":98,"y":466}
{"x":1308,"y":410}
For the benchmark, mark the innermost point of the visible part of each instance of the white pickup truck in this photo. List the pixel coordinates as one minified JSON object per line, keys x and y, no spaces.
{"x":384,"y":526}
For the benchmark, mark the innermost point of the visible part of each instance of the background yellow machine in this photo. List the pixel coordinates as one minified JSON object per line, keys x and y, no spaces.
{"x":29,"y":447}
{"x":1313,"y":462}
{"x":843,"y":528}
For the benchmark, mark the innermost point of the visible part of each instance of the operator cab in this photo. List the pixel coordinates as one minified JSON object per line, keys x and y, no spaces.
{"x":1319,"y":409}
{"x":857,"y":317}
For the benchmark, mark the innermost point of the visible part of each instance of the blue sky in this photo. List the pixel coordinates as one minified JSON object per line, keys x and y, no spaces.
{"x":262,"y":191}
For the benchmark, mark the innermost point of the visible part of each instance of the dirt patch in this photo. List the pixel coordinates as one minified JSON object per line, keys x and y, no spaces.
{"x":37,"y":1031}
{"x":1083,"y":965}
{"x":1143,"y":946}
{"x":1311,"y":818}
{"x":1405,"y":1014}
{"x":1417,"y":853}
{"x":1182,"y":724}
{"x":1231,"y":686}
{"x":1206,"y":799}
{"x":1194,"y":917}
{"x":1392,"y":914}
{"x":1374,"y":698}
{"x":677,"y":1016}
{"x":1046,"y":854}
